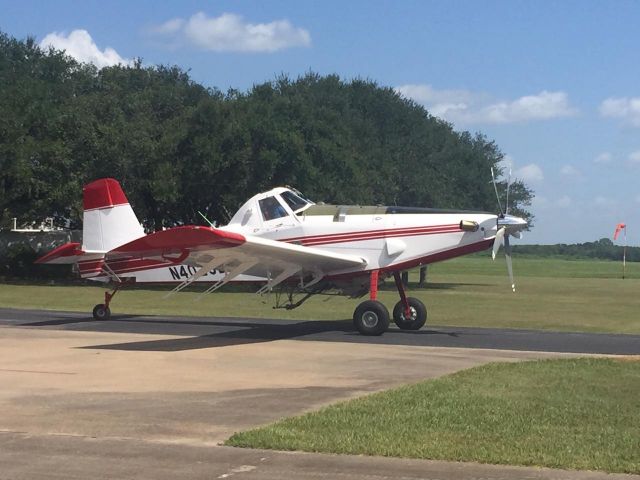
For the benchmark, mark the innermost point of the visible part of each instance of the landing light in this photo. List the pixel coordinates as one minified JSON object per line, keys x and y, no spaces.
{"x":469,"y":226}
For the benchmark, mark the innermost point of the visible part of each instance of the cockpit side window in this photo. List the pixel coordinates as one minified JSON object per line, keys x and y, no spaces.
{"x":294,"y":201}
{"x":271,"y":208}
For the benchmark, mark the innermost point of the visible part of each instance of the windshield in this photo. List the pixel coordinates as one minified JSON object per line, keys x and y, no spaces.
{"x":294,"y":201}
{"x":271,"y":208}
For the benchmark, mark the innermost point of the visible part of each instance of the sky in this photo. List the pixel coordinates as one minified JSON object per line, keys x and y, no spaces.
{"x":556,"y":84}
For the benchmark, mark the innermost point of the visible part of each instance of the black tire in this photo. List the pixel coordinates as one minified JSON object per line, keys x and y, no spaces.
{"x":101,"y":312}
{"x":418,"y":315}
{"x":371,"y":318}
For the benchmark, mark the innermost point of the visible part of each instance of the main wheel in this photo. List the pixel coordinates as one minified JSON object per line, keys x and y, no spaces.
{"x":371,"y":318}
{"x":415,"y":320}
{"x":101,"y":312}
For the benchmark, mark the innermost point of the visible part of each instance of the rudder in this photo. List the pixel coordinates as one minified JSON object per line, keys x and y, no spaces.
{"x":108,"y":219}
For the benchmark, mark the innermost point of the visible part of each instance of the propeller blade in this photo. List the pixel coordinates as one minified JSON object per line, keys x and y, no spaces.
{"x":498,"y":242}
{"x":506,"y":209}
{"x":495,"y":187}
{"x":507,"y":254}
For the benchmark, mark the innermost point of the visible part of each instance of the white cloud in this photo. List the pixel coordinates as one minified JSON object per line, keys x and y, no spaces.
{"x":570,"y":171}
{"x":530,"y":173}
{"x":543,"y":106}
{"x":625,"y":108}
{"x":441,"y":103}
{"x":231,"y":33}
{"x":170,"y":26}
{"x":634,"y":159}
{"x":601,"y":201}
{"x":603,"y":159}
{"x":466,"y":107}
{"x":79,"y":45}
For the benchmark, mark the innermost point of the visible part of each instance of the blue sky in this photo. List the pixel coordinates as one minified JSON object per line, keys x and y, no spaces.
{"x":555,"y":84}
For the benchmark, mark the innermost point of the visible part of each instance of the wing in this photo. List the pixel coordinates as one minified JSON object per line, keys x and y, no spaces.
{"x":235,"y":254}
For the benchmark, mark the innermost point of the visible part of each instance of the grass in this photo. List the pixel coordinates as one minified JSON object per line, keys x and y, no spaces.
{"x":530,"y":266}
{"x":572,"y":414}
{"x":471,"y":291}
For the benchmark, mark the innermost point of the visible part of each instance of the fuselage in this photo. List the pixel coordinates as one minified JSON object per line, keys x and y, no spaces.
{"x":387,"y":238}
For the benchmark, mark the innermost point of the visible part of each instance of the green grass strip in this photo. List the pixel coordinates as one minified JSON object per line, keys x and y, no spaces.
{"x":560,"y":295}
{"x":574,"y":414}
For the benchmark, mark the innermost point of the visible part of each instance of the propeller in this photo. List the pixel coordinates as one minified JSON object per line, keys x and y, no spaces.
{"x":508,"y":225}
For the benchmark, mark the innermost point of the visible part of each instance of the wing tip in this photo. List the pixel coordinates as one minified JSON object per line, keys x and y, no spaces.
{"x":184,"y":238}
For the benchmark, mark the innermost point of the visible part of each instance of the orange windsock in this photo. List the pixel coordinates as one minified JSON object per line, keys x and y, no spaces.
{"x":619,"y":227}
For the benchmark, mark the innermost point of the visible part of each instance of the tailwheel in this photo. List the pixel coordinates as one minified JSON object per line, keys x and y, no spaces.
{"x":101,"y":312}
{"x":371,"y":318}
{"x":414,"y":319}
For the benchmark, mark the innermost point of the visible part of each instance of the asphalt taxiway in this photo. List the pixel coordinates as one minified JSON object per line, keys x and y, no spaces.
{"x":153,"y":397}
{"x":214,"y":332}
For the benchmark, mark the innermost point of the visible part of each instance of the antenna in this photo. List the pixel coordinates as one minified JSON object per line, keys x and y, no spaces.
{"x":211,"y":224}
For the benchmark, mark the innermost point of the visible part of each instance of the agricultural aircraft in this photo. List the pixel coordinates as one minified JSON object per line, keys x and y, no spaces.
{"x":286,"y":242}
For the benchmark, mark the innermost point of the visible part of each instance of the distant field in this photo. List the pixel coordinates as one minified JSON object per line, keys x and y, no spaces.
{"x":471,"y":291}
{"x":572,"y":414}
{"x":537,"y":267}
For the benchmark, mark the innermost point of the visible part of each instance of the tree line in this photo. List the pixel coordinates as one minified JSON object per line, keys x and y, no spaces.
{"x":179,"y":147}
{"x":603,"y":249}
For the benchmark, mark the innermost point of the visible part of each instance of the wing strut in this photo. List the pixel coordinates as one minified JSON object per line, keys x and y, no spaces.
{"x":279,"y":279}
{"x":228,"y":276}
{"x":110,"y":272}
{"x":317,"y":276}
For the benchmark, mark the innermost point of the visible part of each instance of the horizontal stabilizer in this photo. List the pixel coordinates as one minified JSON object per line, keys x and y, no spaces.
{"x":64,"y":254}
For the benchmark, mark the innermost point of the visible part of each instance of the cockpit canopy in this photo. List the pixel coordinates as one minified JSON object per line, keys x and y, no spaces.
{"x":264,"y":207}
{"x":295,"y":200}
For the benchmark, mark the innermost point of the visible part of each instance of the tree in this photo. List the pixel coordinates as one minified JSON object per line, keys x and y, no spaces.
{"x":179,"y":148}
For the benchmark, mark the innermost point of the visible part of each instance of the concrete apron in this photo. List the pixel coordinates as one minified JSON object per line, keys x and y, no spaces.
{"x":52,"y":385}
{"x":76,"y":408}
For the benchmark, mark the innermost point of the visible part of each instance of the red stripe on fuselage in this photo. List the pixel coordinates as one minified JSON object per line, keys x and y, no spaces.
{"x":366,"y":232}
{"x":364,"y":238}
{"x":424,"y":260}
{"x":127,"y":265}
{"x":373,"y":234}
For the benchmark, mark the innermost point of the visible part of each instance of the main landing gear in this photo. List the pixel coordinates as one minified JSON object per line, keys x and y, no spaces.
{"x":371,"y":317}
{"x":102,"y":310}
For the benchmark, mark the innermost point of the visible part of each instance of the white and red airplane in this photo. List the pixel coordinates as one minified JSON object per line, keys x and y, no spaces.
{"x":282,"y":239}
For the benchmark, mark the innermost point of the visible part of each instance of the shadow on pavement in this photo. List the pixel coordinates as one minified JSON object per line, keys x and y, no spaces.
{"x":243,"y":333}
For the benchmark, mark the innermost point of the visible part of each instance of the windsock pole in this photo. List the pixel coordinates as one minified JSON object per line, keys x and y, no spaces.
{"x":624,"y":253}
{"x":622,"y":226}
